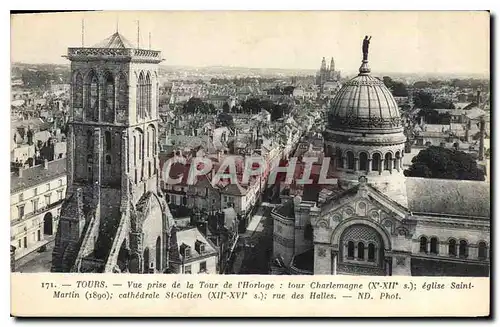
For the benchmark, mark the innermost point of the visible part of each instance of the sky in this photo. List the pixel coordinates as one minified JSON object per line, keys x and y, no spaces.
{"x":402,"y":41}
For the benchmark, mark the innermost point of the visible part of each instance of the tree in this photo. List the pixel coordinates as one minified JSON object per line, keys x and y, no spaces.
{"x":423,"y":100}
{"x":439,"y":162}
{"x":224,"y":120}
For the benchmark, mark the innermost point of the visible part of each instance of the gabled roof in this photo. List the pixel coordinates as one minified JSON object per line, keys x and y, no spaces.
{"x":115,"y":41}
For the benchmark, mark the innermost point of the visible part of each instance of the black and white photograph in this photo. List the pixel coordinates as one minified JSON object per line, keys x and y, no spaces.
{"x":251,"y":143}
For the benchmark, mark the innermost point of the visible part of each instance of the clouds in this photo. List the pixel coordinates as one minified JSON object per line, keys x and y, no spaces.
{"x":448,"y":42}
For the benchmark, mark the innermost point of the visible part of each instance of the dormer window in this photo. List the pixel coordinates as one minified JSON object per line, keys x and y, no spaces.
{"x":199,"y":246}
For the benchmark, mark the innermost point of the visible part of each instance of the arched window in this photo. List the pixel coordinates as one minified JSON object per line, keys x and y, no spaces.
{"x":154,"y":142}
{"x":146,"y":261}
{"x":135,"y":150}
{"x":388,"y":161}
{"x":107,"y":140}
{"x":147,"y":144}
{"x":462,"y":249}
{"x":452,"y":247}
{"x":90,"y":143}
{"x":361,"y":251}
{"x":158,"y":254}
{"x":397,"y":161}
{"x":434,"y":245}
{"x":108,"y":99}
{"x":148,"y":96}
{"x":92,"y":110}
{"x":141,"y":96}
{"x":350,"y":160}
{"x":363,"y":161}
{"x":350,"y":249}
{"x":108,"y":159}
{"x":78,"y":91}
{"x":338,"y":158}
{"x":376,"y":159}
{"x":423,"y":244}
{"x":481,"y":251}
{"x":149,"y":169}
{"x":122,"y":93}
{"x":371,"y":252}
{"x":184,"y":200}
{"x":141,"y":146}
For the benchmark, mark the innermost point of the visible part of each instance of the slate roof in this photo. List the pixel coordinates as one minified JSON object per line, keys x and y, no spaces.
{"x":115,"y":41}
{"x":446,"y":196}
{"x":38,"y":175}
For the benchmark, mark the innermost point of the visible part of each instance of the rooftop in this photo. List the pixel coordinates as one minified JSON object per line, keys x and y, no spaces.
{"x":37,"y":175}
{"x":449,"y":196}
{"x":189,"y":237}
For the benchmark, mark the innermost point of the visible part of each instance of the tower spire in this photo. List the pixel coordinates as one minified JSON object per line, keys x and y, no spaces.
{"x":323,"y":64}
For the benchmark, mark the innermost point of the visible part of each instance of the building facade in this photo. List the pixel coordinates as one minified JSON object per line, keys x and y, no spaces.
{"x":35,"y":203}
{"x":196,"y":254}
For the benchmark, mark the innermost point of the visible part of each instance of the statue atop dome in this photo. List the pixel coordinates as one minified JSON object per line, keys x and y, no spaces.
{"x":366,"y":44}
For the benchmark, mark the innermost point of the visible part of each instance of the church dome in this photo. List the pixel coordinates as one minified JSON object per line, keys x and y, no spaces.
{"x":364,"y":102}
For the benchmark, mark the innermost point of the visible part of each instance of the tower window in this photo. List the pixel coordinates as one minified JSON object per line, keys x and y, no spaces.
{"x":147,"y":143}
{"x":78,"y":91}
{"x":89,"y":140}
{"x":107,"y":139}
{"x":135,"y":150}
{"x":108,"y":99}
{"x":108,"y":159}
{"x":122,"y":93}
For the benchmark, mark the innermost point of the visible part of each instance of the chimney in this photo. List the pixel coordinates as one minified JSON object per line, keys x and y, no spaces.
{"x":481,"y":139}
{"x":478,"y":97}
{"x":45,"y":164}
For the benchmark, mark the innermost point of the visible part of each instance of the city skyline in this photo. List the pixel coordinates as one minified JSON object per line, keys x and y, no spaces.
{"x":297,"y":39}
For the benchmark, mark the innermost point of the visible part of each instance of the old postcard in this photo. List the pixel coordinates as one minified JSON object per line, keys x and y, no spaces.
{"x":232,"y":163}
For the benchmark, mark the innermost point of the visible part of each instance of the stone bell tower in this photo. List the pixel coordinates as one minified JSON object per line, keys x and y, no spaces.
{"x":112,"y":149}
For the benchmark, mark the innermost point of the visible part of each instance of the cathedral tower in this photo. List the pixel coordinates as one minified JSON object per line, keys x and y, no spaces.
{"x":114,"y":204}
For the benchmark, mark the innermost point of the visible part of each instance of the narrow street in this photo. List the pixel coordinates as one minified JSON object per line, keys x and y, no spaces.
{"x":256,"y":244}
